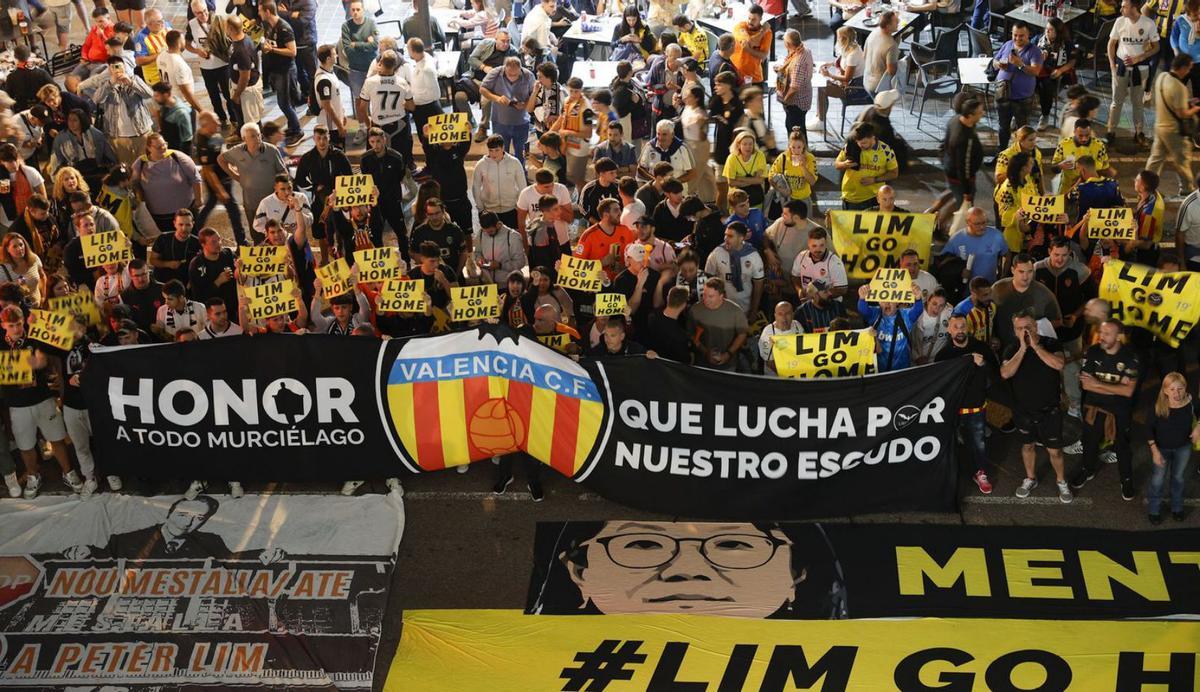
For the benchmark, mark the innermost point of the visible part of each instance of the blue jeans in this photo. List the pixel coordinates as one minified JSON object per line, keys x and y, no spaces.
{"x":1176,"y":464}
{"x":973,"y":428}
{"x":283,"y":83}
{"x":515,"y":138}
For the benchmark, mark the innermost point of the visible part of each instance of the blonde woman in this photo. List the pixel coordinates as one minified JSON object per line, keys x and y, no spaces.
{"x":797,"y":165}
{"x":694,"y":118}
{"x":19,"y":265}
{"x":746,"y":167}
{"x":1024,"y":140}
{"x":844,"y":75}
{"x":66,"y":181}
{"x":1173,"y":432}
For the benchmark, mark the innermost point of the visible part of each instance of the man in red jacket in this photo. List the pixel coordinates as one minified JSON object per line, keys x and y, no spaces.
{"x":94,"y":54}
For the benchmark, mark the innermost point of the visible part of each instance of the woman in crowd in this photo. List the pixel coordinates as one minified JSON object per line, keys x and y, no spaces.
{"x":845,"y":76}
{"x":542,"y":292}
{"x":1024,"y":142}
{"x":1008,"y":199}
{"x":632,"y":39}
{"x":724,"y":110}
{"x":1173,"y":433}
{"x":694,"y":120}
{"x":19,"y":265}
{"x":1058,"y":67}
{"x":746,"y":168}
{"x":84,"y":148}
{"x":798,"y":168}
{"x":793,"y":85}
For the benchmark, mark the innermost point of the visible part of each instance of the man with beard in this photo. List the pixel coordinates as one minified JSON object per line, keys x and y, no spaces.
{"x":789,"y":237}
{"x":211,"y":272}
{"x":979,"y":310}
{"x":820,"y":310}
{"x":660,"y":254}
{"x":388,"y":168}
{"x":1034,"y":364}
{"x":741,"y":266}
{"x":1065,"y":279}
{"x":317,"y":173}
{"x":1019,"y":293}
{"x":817,"y":261}
{"x":1109,"y":379}
{"x":448,"y":236}
{"x":219,"y":324}
{"x":972,"y":416}
{"x":144,"y":296}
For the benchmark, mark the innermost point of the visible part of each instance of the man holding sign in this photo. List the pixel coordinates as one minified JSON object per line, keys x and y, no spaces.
{"x":893,"y":328}
{"x":437,"y":279}
{"x":288,"y":208}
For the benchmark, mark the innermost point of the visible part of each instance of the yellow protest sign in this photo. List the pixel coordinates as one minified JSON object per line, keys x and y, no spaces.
{"x":353,"y":190}
{"x":869,"y":240}
{"x":81,"y":302}
{"x":16,"y":367}
{"x":579,"y":274}
{"x":335,"y":278}
{"x":271,"y":299}
{"x":266,"y":260}
{"x":401,"y":295}
{"x":109,"y":247}
{"x":474,"y":302}
{"x":827,"y":354}
{"x":1165,"y":303}
{"x":51,"y":328}
{"x":1043,"y":208}
{"x":377,"y":264}
{"x":558,"y":342}
{"x":449,"y":128}
{"x":489,"y":649}
{"x":610,"y":304}
{"x":1112,"y":224}
{"x":891,"y":286}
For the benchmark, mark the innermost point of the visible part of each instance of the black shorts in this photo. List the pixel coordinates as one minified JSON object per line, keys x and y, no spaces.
{"x":961,"y":188}
{"x":1043,"y":426}
{"x":129,"y":5}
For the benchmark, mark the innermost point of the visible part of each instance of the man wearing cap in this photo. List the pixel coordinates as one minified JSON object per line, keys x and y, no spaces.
{"x":741,"y":266}
{"x":660,"y":254}
{"x":603,"y":187}
{"x":644,"y":288}
{"x":498,"y":249}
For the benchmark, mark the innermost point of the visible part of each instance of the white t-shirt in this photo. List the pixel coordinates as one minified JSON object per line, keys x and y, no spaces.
{"x":193,"y":317}
{"x":385,"y":97}
{"x":927,"y":283}
{"x":879,"y":47}
{"x":174,"y":70}
{"x":829,"y":269}
{"x":853,"y":59}
{"x":632,"y":212}
{"x":200,"y":39}
{"x":719,"y":264}
{"x":766,"y":347}
{"x":929,"y":333}
{"x":328,"y":86}
{"x":529,"y":197}
{"x":537,"y":25}
{"x":1133,"y":37}
{"x":231,"y":330}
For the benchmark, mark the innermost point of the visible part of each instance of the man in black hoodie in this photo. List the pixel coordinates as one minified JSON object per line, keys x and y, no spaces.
{"x":962,"y":156}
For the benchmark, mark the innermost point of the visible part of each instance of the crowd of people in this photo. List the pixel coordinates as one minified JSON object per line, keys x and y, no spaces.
{"x":671,"y":178}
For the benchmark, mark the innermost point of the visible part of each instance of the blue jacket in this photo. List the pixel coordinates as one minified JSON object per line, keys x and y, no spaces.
{"x":893,"y":338}
{"x":1185,"y":38}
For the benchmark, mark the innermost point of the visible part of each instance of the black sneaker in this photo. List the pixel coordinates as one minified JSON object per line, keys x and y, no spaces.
{"x":293,"y":139}
{"x":1141,"y":141}
{"x":535,"y":490}
{"x":501,"y":485}
{"x":1127,"y":493}
{"x":1178,"y":516}
{"x":1082,"y":478}
{"x":1008,"y":427}
{"x":1155,"y":519}
{"x":1111,"y":138}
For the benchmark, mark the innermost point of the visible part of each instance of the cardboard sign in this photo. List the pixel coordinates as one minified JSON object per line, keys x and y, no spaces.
{"x":51,"y":328}
{"x":558,"y":342}
{"x":377,"y":264}
{"x":891,"y":286}
{"x":353,"y":191}
{"x":1165,"y":303}
{"x":610,"y":304}
{"x":1112,"y":224}
{"x":1043,"y":208}
{"x":449,"y":128}
{"x":271,"y":299}
{"x":109,"y":247}
{"x":335,"y":278}
{"x":268,"y":260}
{"x":16,"y":367}
{"x":474,"y":302}
{"x":81,"y":302}
{"x":869,"y":240}
{"x":579,"y":274}
{"x":401,"y":295}
{"x":827,"y":354}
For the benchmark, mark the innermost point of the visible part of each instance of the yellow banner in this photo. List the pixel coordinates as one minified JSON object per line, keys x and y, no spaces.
{"x":827,"y":354}
{"x":474,"y":302}
{"x":558,"y":342}
{"x":1043,"y":208}
{"x":377,"y":264}
{"x":109,"y":247}
{"x":16,"y":367}
{"x":335,"y":278}
{"x":891,"y":286}
{"x":353,"y":190}
{"x":449,"y":128}
{"x":579,"y":274}
{"x":271,"y":299}
{"x":267,"y":260}
{"x":869,"y":240}
{"x":51,"y":328}
{"x":1165,"y":303}
{"x":610,"y":304}
{"x":491,"y":650}
{"x":401,"y":295}
{"x":81,"y":302}
{"x":1111,"y":224}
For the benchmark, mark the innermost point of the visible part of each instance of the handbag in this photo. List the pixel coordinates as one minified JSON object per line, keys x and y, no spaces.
{"x":1186,"y":126}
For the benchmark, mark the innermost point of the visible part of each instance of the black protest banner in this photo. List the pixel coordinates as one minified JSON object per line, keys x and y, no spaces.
{"x":791,"y":570}
{"x":166,"y":593}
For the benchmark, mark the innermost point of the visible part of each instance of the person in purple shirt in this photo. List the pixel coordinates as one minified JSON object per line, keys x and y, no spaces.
{"x":1018,"y":62}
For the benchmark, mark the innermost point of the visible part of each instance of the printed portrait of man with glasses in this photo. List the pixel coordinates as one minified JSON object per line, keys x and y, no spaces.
{"x":759,"y":570}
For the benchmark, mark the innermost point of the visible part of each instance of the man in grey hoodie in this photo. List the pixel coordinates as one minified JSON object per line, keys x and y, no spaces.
{"x":360,"y":45}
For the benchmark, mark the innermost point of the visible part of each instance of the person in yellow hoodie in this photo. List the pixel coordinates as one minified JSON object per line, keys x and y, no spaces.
{"x":1008,"y":197}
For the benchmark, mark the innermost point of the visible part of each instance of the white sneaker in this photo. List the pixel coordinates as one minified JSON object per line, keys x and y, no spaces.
{"x":1075,"y":447}
{"x":393,"y":484}
{"x":14,"y":484}
{"x":816,"y":125}
{"x":1074,"y":412}
{"x":1064,"y":493}
{"x":194,"y":489}
{"x":1044,"y":124}
{"x":1027,"y":487}
{"x":1108,"y":456}
{"x":74,"y":481}
{"x":89,"y":488}
{"x":349,"y":487}
{"x":33,"y":483}
{"x":462,"y":468}
{"x":114,"y":483}
{"x":235,"y":489}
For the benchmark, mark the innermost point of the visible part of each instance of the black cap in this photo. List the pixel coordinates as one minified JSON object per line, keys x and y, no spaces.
{"x":646,"y":220}
{"x":344,"y":299}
